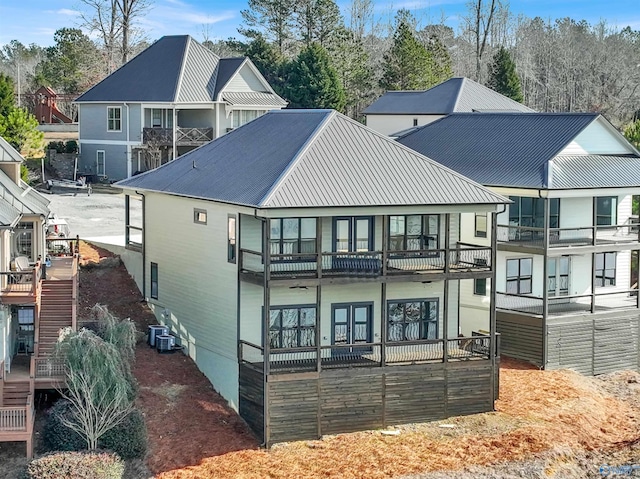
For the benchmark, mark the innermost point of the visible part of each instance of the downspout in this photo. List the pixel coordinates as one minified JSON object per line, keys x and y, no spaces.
{"x":128,"y":143}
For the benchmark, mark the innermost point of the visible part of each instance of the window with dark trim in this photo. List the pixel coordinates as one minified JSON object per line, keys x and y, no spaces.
{"x":606,"y":269}
{"x":200,"y":216}
{"x":529,"y":212}
{"x":154,"y":280}
{"x":292,"y":326}
{"x":114,"y":118}
{"x":231,"y":239}
{"x":412,"y":320}
{"x":519,"y":275}
{"x":414,"y":232}
{"x":480,"y":286}
{"x":293,"y":235}
{"x":481,"y":225}
{"x":606,"y":210}
{"x":415,"y":122}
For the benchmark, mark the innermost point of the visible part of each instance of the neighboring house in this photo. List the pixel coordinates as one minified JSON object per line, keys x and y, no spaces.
{"x":396,"y":111}
{"x":35,"y":301}
{"x":174,"y":96}
{"x":311,"y":267}
{"x":566,"y":297}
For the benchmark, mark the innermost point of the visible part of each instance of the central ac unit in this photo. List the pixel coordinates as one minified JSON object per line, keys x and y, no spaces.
{"x":165,"y":343}
{"x":155,"y":331}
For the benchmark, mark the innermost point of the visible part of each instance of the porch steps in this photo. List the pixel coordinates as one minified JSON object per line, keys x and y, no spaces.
{"x":56,"y":311}
{"x":14,"y":393}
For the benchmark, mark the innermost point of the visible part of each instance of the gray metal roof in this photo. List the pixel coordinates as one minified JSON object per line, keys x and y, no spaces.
{"x":257,"y":98}
{"x":595,"y":171}
{"x":227,"y":69}
{"x":310,"y":158}
{"x":8,"y":153}
{"x":22,"y":197}
{"x":9,"y":215}
{"x":514,"y":149}
{"x":453,"y":95}
{"x":173,"y":69}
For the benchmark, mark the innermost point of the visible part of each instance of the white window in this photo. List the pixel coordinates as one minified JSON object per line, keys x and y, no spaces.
{"x":114,"y":118}
{"x":100,"y":157}
{"x":240,"y":117}
{"x":156,"y":118}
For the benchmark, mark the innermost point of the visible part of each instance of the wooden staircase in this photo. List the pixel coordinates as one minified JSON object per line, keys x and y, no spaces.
{"x":57,"y":311}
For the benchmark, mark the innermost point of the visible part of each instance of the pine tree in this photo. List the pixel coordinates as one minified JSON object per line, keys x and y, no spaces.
{"x":7,"y":99}
{"x":268,"y":61}
{"x":313,"y":82}
{"x":503,"y":77}
{"x":408,"y":65}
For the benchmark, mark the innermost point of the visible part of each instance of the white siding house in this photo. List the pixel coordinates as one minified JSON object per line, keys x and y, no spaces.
{"x":566,"y":296}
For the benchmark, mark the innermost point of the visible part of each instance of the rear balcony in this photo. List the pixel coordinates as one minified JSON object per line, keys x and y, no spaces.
{"x":21,"y":286}
{"x":463,"y":261}
{"x":627,"y":235}
{"x":184,"y":136}
{"x":568,"y":305}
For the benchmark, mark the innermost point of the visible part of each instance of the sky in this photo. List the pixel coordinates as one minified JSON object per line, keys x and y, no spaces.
{"x":35,"y":21}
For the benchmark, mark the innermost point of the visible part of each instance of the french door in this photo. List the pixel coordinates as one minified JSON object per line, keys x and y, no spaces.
{"x":351,"y":325}
{"x":353,"y":234}
{"x":558,"y":275}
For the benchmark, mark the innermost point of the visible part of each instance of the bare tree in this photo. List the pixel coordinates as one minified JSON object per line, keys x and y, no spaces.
{"x":479,"y":24}
{"x":114,"y":22}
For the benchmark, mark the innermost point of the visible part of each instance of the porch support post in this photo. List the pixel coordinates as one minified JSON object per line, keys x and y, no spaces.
{"x":445,"y":305}
{"x":175,"y":132}
{"x":545,"y":282}
{"x":447,"y":242}
{"x":638,"y":270}
{"x":385,"y":243}
{"x":383,"y":325}
{"x":318,"y":328}
{"x":493,"y":352}
{"x":319,"y":249}
{"x":594,"y":232}
{"x":266,"y":260}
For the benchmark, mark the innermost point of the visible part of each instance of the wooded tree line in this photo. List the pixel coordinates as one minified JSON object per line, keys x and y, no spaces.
{"x":315,"y":57}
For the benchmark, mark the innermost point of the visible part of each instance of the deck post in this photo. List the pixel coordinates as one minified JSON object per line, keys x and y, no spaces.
{"x":545,"y":282}
{"x":593,"y":255}
{"x":385,"y":243}
{"x":127,"y":217}
{"x":318,"y":249}
{"x":447,"y":242}
{"x":445,"y":305}
{"x":266,"y":260}
{"x":318,"y":329}
{"x":383,"y":325}
{"x":493,"y":346}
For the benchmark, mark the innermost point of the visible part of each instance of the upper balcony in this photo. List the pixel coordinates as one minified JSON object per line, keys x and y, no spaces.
{"x":184,"y":136}
{"x":626,"y":236}
{"x":461,"y":261}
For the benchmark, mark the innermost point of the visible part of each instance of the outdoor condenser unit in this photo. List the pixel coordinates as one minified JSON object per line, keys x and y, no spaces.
{"x":165,"y":343}
{"x":154,"y":332}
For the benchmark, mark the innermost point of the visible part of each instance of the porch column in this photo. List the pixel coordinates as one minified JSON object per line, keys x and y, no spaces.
{"x":318,"y":329}
{"x":594,"y":222}
{"x":545,"y":282}
{"x":383,"y":325}
{"x":127,"y":216}
{"x":266,"y":260}
{"x":319,"y":247}
{"x":492,"y":305}
{"x":445,"y":305}
{"x":385,"y":243}
{"x":638,"y":270}
{"x":175,"y":130}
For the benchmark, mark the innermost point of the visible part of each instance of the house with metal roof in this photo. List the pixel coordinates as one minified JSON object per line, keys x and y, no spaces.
{"x":35,"y":301}
{"x":171,"y":98}
{"x":567,"y":264}
{"x":311,"y":267}
{"x":397,"y":111}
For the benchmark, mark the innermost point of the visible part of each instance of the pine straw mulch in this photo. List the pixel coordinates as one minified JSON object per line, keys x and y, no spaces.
{"x":194,"y":434}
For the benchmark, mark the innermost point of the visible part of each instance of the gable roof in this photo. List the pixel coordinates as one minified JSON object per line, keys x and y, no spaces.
{"x":307,"y":159}
{"x":17,"y":199}
{"x":175,"y":69}
{"x":521,"y":150}
{"x":454,"y":95}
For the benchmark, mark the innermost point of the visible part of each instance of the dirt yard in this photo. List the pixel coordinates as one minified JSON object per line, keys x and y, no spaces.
{"x":546,"y":425}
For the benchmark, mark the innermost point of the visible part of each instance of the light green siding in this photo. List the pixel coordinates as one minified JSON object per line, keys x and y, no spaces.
{"x":197,"y":286}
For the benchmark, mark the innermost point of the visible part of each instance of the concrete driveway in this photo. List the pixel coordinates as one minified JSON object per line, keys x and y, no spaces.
{"x":99,"y":217}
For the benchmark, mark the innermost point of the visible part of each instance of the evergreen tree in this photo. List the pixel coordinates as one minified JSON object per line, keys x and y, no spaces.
{"x":313,"y":82}
{"x":20,"y":129}
{"x":317,"y":20}
{"x":503,"y":77}
{"x":268,"y":61}
{"x":6,"y":95}
{"x":408,"y":65}
{"x":441,"y":69}
{"x":271,"y":18}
